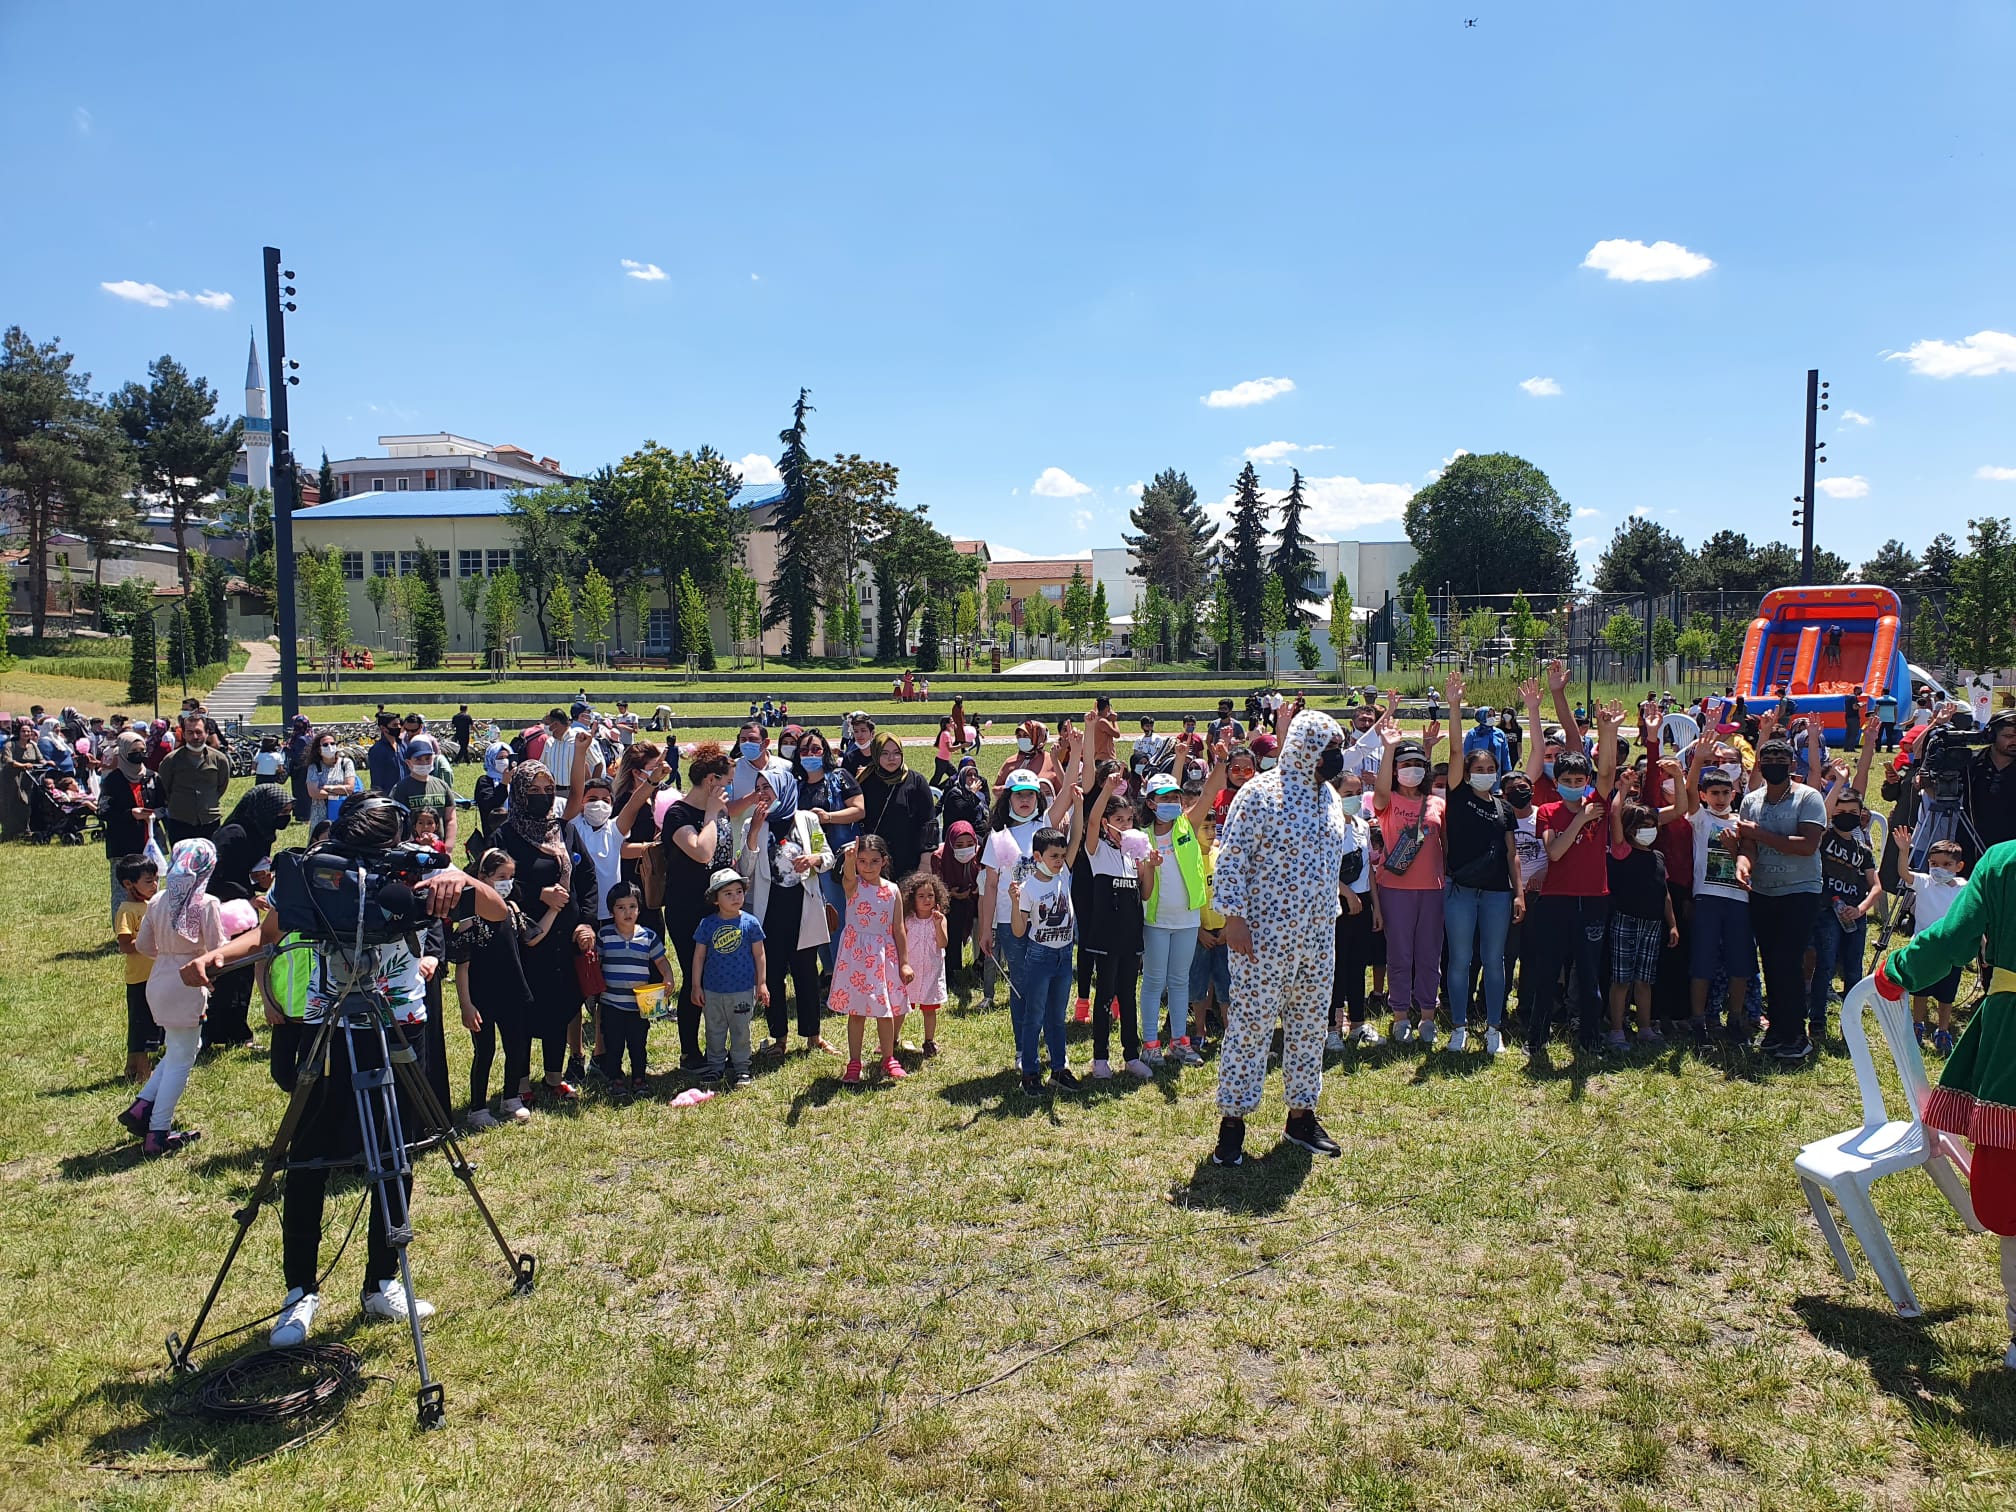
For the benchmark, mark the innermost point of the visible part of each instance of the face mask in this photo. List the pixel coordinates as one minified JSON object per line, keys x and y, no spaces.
{"x":965,"y":852}
{"x":1481,"y":781}
{"x":1267,"y":763}
{"x":1941,"y":875}
{"x":786,"y":752}
{"x":328,"y":754}
{"x":502,"y":889}
{"x":1644,"y":836}
{"x":751,"y":749}
{"x":1330,"y":764}
{"x":813,"y":765}
{"x":1572,"y":792}
{"x":420,"y":768}
{"x":1168,"y":813}
{"x":1847,"y":823}
{"x":1024,"y":744}
{"x":1547,"y":766}
{"x":1020,"y":815}
{"x":1353,"y":804}
{"x":1774,"y":772}
{"x":1044,"y":872}
{"x":596,"y":813}
{"x":1518,"y":797}
{"x":538,"y":805}
{"x":1413,"y":776}
{"x":1718,"y":803}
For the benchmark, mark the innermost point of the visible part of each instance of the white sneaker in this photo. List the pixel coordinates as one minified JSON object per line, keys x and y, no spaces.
{"x":1459,"y":1039}
{"x":1139,"y":1067}
{"x":1102,"y":1070}
{"x":1185,"y":1056}
{"x":1334,"y":1043}
{"x":1494,"y":1042}
{"x":482,"y":1118}
{"x":1365,"y":1034}
{"x":1425,"y":1034}
{"x":1403,"y":1031}
{"x":389,"y":1301}
{"x":297,"y":1316}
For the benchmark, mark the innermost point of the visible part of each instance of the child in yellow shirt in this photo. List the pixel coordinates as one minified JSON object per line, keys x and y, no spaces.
{"x":137,"y":877}
{"x":1211,"y":965}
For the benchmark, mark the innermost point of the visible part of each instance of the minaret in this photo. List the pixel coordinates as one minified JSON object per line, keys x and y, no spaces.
{"x":258,"y":429}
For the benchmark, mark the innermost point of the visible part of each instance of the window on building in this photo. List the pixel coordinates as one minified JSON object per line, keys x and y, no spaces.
{"x":658,"y":630}
{"x":353,"y":566}
{"x":383,"y":563}
{"x":346,"y":485}
{"x":499,"y":558}
{"x":377,"y":485}
{"x":1053,"y":592}
{"x":430,"y":480}
{"x":469,"y":564}
{"x":399,"y":484}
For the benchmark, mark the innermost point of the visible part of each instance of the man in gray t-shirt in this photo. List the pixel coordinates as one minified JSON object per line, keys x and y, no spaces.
{"x":1781,"y":828}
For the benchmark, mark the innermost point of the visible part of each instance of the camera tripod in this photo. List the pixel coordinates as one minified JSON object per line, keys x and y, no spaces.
{"x":375,"y":1059}
{"x":1940,"y":817}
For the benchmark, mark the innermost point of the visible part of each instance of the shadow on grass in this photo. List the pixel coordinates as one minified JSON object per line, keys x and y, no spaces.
{"x":81,"y":1089}
{"x":1906,"y":1362}
{"x":1263,"y":1184}
{"x":1447,"y":1065}
{"x":95,"y":953}
{"x":106,"y":1162}
{"x":823,"y":1090}
{"x":246,"y":1158}
{"x":999,"y":1094}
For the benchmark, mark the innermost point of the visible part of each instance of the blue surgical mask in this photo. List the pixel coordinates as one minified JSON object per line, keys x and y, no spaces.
{"x":1573,"y":792}
{"x":751,"y":749}
{"x":1168,"y":813}
{"x":813,"y":765}
{"x":1352,"y":803}
{"x":1547,"y":766}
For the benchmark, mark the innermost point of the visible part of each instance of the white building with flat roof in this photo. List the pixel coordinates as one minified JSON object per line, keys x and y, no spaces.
{"x":443,"y":462}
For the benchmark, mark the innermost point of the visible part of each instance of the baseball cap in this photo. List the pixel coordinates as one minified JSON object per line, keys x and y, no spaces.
{"x":420,"y":745}
{"x":1162,"y":782}
{"x":1774,"y":747}
{"x":727,"y":876}
{"x":576,"y":709}
{"x":1022,"y":780}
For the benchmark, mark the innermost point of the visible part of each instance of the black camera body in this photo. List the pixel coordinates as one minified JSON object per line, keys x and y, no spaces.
{"x":342,"y":897}
{"x":1947,"y":754}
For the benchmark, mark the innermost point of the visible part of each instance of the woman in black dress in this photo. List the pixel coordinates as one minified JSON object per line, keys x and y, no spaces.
{"x":639,"y":758}
{"x":246,"y":839}
{"x":546,"y":873}
{"x":495,"y":1000}
{"x":901,"y":806}
{"x":694,"y":840}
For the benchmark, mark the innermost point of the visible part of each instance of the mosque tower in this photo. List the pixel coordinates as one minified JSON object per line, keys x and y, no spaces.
{"x":258,"y":428}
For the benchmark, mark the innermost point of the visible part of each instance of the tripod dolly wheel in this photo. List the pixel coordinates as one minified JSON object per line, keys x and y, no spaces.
{"x":521,"y":1286}
{"x":433,"y":1406}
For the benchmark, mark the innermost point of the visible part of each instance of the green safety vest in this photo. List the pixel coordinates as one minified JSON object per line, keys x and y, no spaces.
{"x":1189,"y":861}
{"x":287,"y":975}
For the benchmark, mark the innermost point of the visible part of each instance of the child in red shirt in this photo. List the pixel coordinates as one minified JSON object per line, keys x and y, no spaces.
{"x":1570,"y":919}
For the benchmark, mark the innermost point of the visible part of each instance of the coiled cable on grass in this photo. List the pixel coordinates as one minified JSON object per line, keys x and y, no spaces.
{"x":279,"y":1385}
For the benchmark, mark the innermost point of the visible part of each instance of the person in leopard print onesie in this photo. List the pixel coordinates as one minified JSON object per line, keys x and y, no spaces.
{"x":1279,"y":851}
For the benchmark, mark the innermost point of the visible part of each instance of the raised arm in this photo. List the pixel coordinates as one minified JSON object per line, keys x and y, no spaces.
{"x":1557,"y":684}
{"x":1382,"y":784}
{"x":1529,"y":693}
{"x":1608,"y":717}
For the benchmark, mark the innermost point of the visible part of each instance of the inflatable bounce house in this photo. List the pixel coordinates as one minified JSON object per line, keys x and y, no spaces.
{"x":1821,"y":643}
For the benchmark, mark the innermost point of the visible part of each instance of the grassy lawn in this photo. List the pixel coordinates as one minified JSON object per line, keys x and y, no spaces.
{"x":1592,"y":1288}
{"x":90,"y":675}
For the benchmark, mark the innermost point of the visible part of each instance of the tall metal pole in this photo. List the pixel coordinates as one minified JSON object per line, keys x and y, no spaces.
{"x":285,"y":491}
{"x":1806,"y":494}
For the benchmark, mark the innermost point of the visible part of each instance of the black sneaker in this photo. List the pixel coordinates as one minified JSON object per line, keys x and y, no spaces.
{"x":1304,"y":1130}
{"x":694,"y":1062}
{"x":1032,"y":1086}
{"x":1066,"y":1078}
{"x":1231,"y":1149}
{"x":1798,"y":1050}
{"x":575,"y":1072}
{"x":742,"y":1078}
{"x":1699,"y":1029}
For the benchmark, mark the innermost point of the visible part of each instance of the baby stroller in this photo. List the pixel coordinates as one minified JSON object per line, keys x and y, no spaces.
{"x":50,"y":819}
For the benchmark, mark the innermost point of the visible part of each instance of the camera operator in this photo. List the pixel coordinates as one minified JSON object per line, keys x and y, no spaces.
{"x":1989,"y":782}
{"x":328,"y":1129}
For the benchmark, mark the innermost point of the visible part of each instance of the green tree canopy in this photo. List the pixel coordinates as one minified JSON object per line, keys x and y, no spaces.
{"x":1292,"y":561}
{"x":1343,"y":626}
{"x":185,"y":456}
{"x":794,"y":589}
{"x":1174,"y":541}
{"x":1981,"y":610}
{"x":680,"y":510}
{"x":1489,"y":520}
{"x":1893,"y":566}
{"x":546,"y":535}
{"x":1244,"y":571}
{"x":1642,"y":557}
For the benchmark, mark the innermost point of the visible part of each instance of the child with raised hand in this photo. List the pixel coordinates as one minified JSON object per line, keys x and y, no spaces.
{"x":1112,"y":923}
{"x":730,"y":977}
{"x":185,"y":923}
{"x":491,"y":988}
{"x":1042,"y":916}
{"x":925,"y":932}
{"x":1934,"y":891}
{"x":137,"y":878}
{"x":631,"y":956}
{"x":1411,"y":816}
{"x":872,"y":972}
{"x":1641,"y":915}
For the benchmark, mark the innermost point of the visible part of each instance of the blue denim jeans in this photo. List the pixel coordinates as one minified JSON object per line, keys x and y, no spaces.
{"x":1008,"y":956}
{"x":1165,"y":967}
{"x":1475,"y":923}
{"x":1209,"y":968}
{"x":1038,"y":1004}
{"x":1832,"y":945}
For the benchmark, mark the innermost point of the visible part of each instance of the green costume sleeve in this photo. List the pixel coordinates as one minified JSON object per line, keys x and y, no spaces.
{"x":1956,"y":939}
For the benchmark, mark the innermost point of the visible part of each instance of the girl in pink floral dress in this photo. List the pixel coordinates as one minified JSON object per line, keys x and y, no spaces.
{"x":872,"y":971}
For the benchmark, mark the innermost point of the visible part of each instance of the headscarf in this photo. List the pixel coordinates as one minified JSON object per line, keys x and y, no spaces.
{"x":187,"y":883}
{"x":874,"y":766}
{"x":543,"y":834}
{"x":249,"y":834}
{"x":496,"y":759}
{"x":951,"y":870}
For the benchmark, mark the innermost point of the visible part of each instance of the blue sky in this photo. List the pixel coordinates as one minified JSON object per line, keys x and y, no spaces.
{"x":1001,"y":241}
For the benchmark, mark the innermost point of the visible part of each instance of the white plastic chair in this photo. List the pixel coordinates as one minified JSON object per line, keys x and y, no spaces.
{"x":1848,"y":1165}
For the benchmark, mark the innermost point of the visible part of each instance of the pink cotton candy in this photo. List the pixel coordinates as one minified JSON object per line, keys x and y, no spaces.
{"x":239,"y":916}
{"x":692,"y":1097}
{"x":1134,"y":845}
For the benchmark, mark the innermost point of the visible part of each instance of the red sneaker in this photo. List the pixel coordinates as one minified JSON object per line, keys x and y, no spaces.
{"x":852,"y":1078}
{"x":893,"y":1069}
{"x":1082,"y":1011}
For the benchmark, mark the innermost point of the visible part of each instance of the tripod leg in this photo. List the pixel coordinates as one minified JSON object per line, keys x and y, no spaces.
{"x":308,"y":1073}
{"x":407,"y":1070}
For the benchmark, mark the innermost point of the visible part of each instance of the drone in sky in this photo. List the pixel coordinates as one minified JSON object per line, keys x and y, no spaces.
{"x":1471,"y":22}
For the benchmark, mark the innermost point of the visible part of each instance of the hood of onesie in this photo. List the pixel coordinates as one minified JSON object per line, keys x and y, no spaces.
{"x":1308,"y":736}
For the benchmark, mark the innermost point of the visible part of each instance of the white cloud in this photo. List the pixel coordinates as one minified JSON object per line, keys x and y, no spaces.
{"x":1001,"y":553}
{"x":1436,"y":472}
{"x":158,"y":298}
{"x":82,"y":118}
{"x":1586,"y":513}
{"x":1856,"y":487}
{"x":1275,"y":451}
{"x":1635,"y":262}
{"x":1981,"y":355}
{"x":646,"y":272}
{"x":1541,"y":388}
{"x":1082,"y":518}
{"x":757,"y":468}
{"x":1055,"y":483}
{"x":1990,"y":474}
{"x":1583,"y":543}
{"x":1252,"y":391}
{"x":1137,"y":488}
{"x":1856,"y":417}
{"x":755,"y":278}
{"x":1338,"y":508}
{"x":1642,"y":512}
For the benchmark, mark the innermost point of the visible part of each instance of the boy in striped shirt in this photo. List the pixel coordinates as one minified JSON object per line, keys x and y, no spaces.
{"x":631,"y":956}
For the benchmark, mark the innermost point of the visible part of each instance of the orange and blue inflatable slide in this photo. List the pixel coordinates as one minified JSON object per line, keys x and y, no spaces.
{"x":1821,"y":643}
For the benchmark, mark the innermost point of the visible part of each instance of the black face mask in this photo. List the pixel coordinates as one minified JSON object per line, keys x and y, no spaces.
{"x":538,"y":805}
{"x":1518,"y":797}
{"x":1774,"y":772}
{"x":1330,"y":764}
{"x":1847,"y":823}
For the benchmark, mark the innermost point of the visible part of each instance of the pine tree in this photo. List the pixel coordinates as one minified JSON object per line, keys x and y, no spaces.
{"x":1176,"y":542}
{"x":196,"y":619}
{"x":141,"y":672}
{"x":927,"y":638}
{"x":325,"y":478}
{"x":1245,"y":570}
{"x":426,"y":616}
{"x":180,"y":662}
{"x":1293,"y":562}
{"x":794,"y":587}
{"x":216,"y":577}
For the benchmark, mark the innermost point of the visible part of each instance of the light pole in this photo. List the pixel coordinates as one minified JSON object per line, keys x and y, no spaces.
{"x":1816,"y":401}
{"x":285,"y":483}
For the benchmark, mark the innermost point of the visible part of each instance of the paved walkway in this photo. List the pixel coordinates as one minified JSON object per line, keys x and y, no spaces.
{"x":1052,"y":668}
{"x":239,"y":694}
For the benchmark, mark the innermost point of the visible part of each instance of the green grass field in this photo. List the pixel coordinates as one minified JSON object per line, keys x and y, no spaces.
{"x":1595,"y":1287}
